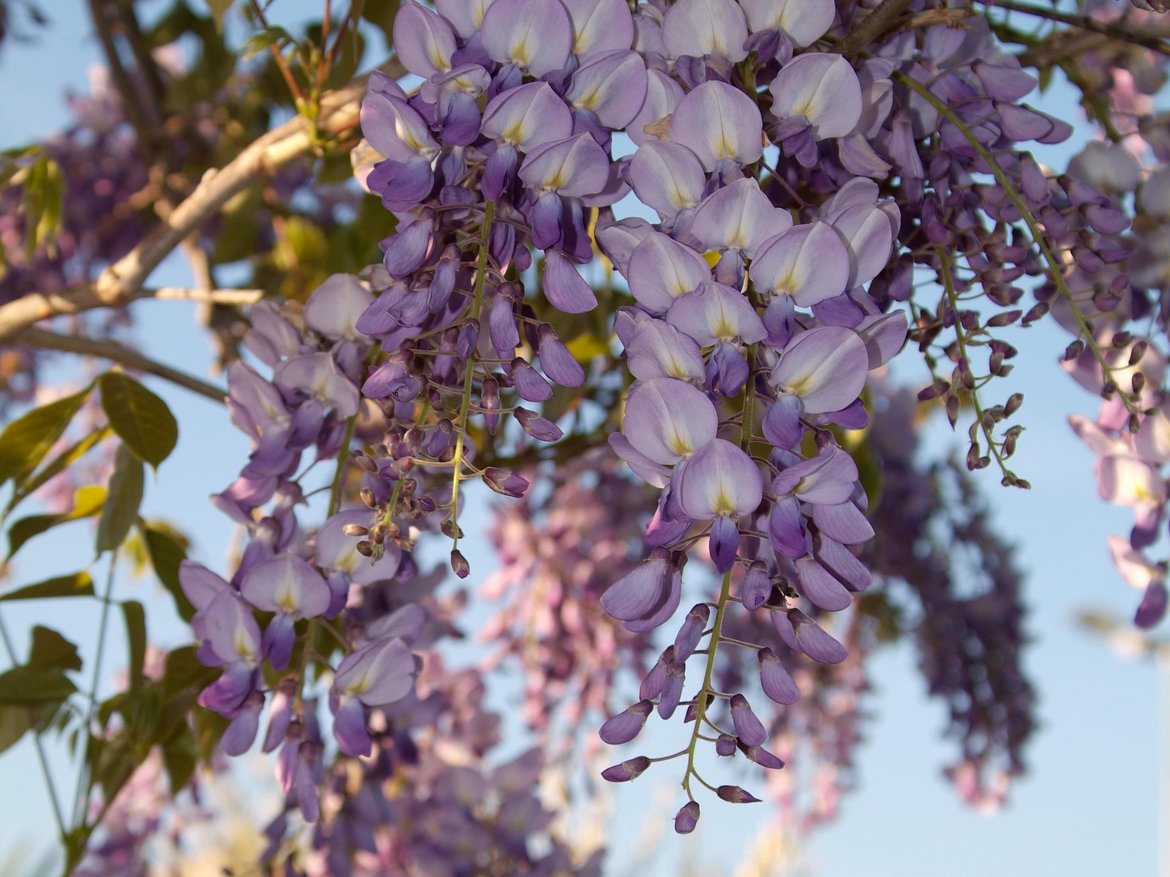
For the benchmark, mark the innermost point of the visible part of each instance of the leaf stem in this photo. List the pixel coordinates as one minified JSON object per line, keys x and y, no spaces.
{"x":84,"y":778}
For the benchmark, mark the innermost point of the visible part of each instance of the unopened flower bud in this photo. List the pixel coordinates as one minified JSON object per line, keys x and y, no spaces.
{"x":459,"y":564}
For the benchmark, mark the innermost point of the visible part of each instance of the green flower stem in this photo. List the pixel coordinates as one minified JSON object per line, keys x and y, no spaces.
{"x":705,"y":696}
{"x":342,"y":462}
{"x":481,"y":268}
{"x":707,"y":693}
{"x":1054,"y":267}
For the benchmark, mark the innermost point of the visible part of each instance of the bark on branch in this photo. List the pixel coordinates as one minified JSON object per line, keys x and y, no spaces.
{"x":122,"y":282}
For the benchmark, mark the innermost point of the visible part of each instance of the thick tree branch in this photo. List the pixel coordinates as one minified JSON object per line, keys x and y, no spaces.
{"x":871,"y":29}
{"x":115,"y":352}
{"x":1148,"y":36}
{"x":122,"y":282}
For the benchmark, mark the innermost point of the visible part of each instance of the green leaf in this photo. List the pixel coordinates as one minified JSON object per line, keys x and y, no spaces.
{"x":381,"y":15}
{"x":32,"y":686}
{"x":50,"y":649}
{"x":139,"y":417}
{"x":78,"y":584}
{"x":219,"y":9}
{"x":26,"y":440}
{"x":183,"y":671}
{"x":261,"y":42}
{"x":59,"y":463}
{"x":121,"y":508}
{"x":15,"y":722}
{"x":179,"y":760}
{"x":135,"y":617}
{"x":167,"y":549}
{"x":87,"y":501}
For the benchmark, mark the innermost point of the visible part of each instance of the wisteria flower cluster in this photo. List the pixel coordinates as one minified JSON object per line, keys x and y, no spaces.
{"x":643,"y":267}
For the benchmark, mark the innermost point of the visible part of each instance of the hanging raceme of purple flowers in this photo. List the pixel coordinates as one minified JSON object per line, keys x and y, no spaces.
{"x":759,"y":303}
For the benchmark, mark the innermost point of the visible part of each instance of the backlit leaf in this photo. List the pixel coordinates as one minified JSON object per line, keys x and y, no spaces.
{"x":139,"y":417}
{"x":121,"y":508}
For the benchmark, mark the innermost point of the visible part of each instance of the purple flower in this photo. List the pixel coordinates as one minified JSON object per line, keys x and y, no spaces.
{"x":668,"y":420}
{"x":823,"y":89}
{"x":536,"y":35}
{"x":718,"y":123}
{"x":826,"y":367}
{"x":626,"y":725}
{"x":701,"y":28}
{"x":646,"y":596}
{"x":375,"y":675}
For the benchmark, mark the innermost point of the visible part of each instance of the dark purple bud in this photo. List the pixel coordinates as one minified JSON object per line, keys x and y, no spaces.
{"x":652,"y":685}
{"x":626,"y":725}
{"x":725,"y":745}
{"x":763,"y":757}
{"x":630,"y":769}
{"x":499,"y":171}
{"x":404,"y":251}
{"x":736,"y":795}
{"x":468,"y":338}
{"x":687,"y":818}
{"x":786,"y":528}
{"x":813,"y":641}
{"x":545,"y":217}
{"x":529,"y":383}
{"x":459,"y":564}
{"x":505,"y":481}
{"x":672,"y":689}
{"x":279,"y":638}
{"x":502,"y":325}
{"x":556,"y":360}
{"x":774,"y":679}
{"x":241,"y":733}
{"x":565,"y":289}
{"x":691,"y":631}
{"x":489,"y":403}
{"x":756,"y":587}
{"x":402,"y":185}
{"x":748,"y":727}
{"x":782,"y":422}
{"x":1153,"y":606}
{"x":540,"y":428}
{"x":723,"y":543}
{"x":349,"y":728}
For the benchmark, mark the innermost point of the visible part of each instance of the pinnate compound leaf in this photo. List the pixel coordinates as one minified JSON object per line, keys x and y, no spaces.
{"x":135,"y":617}
{"x":26,"y":440}
{"x":78,"y":584}
{"x":263,"y":41}
{"x":87,"y":501}
{"x":167,"y":548}
{"x":51,"y":650}
{"x":121,"y":508}
{"x":58,"y":464}
{"x":140,"y":418}
{"x":219,"y":10}
{"x":15,"y":722}
{"x":34,"y":686}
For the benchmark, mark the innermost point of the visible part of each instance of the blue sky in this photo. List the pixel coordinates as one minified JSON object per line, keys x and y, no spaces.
{"x":1089,"y":804}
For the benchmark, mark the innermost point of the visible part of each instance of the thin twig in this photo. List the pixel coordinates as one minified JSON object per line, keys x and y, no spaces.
{"x":115,"y":352}
{"x":882,"y":21}
{"x":1146,"y":35}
